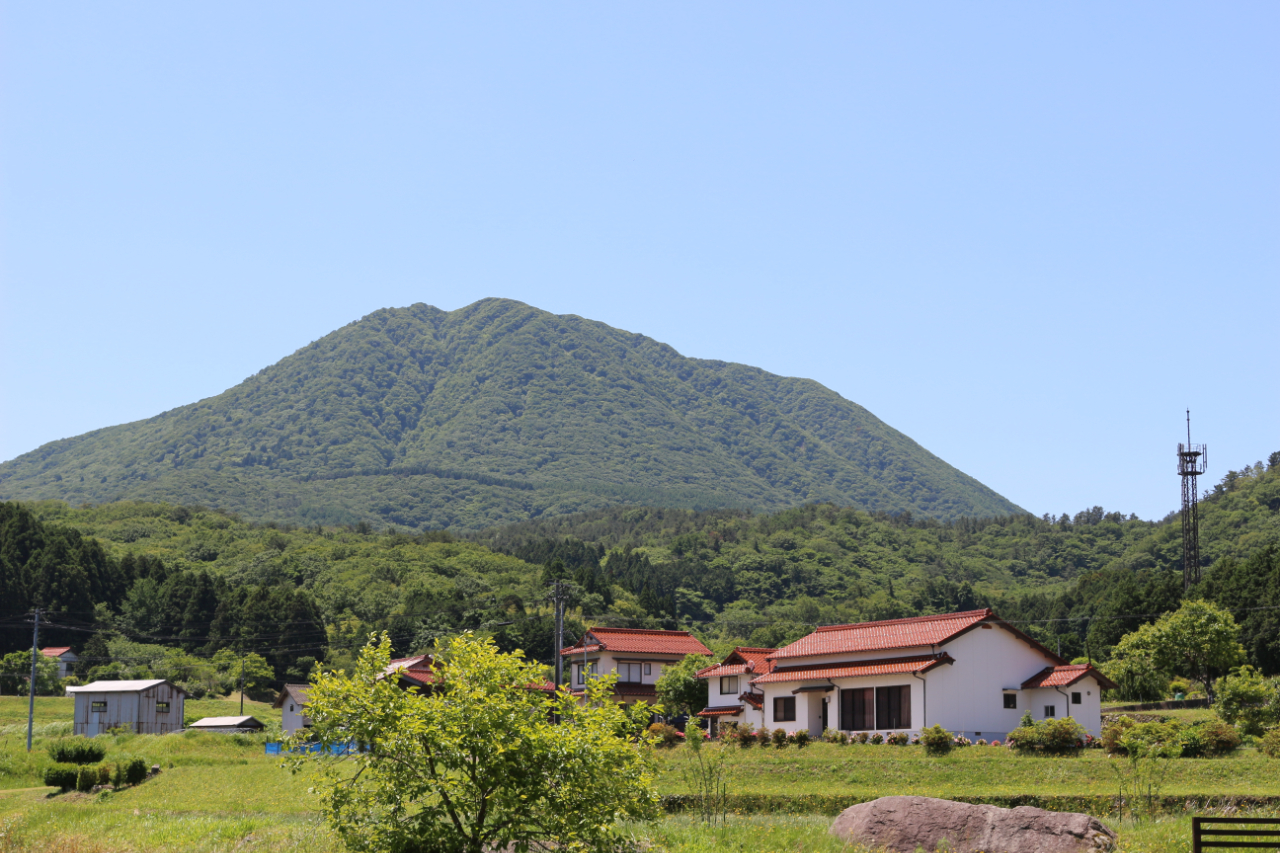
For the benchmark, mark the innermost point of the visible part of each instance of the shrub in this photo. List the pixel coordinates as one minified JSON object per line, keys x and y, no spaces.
{"x":801,"y":739}
{"x":745,"y":735}
{"x":936,"y":740}
{"x":117,"y":778}
{"x":981,"y":742}
{"x":104,"y":774}
{"x":1113,"y":733}
{"x":1269,"y":747}
{"x":86,"y":779}
{"x":135,"y":772}
{"x":76,"y":750}
{"x":877,"y":738}
{"x":1052,"y":737}
{"x":665,"y":736}
{"x":862,"y":737}
{"x":961,"y":740}
{"x":995,"y":743}
{"x":1210,"y":739}
{"x":764,"y":736}
{"x":833,"y":736}
{"x":779,"y":738}
{"x":897,"y":738}
{"x":62,"y":776}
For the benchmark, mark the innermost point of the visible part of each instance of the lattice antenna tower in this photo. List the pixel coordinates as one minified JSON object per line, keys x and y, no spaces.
{"x":1193,"y":459}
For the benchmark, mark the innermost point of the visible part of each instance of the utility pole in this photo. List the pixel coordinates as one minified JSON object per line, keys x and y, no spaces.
{"x":31,"y":696}
{"x":557,"y":597}
{"x":242,"y":684}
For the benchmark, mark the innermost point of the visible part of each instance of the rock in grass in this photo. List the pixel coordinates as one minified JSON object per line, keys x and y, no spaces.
{"x":908,"y":823}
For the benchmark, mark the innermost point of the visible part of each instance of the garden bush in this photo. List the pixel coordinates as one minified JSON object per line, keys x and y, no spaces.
{"x":779,"y":738}
{"x":135,"y":772}
{"x":104,"y":774}
{"x":1114,"y":732}
{"x":76,"y":750}
{"x":665,"y":736}
{"x":1270,"y":745}
{"x":877,"y":738}
{"x":800,"y":739}
{"x":764,"y":737}
{"x":61,"y":776}
{"x":897,"y":738}
{"x":86,"y":779}
{"x":936,"y":740}
{"x":1062,"y":736}
{"x":862,"y":737}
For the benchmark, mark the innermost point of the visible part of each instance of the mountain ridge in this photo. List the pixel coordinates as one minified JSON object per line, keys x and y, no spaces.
{"x":492,"y":413}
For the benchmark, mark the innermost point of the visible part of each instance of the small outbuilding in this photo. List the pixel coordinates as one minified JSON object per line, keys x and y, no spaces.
{"x":292,"y":704}
{"x":64,"y":656}
{"x":146,"y":707}
{"x":228,"y":725}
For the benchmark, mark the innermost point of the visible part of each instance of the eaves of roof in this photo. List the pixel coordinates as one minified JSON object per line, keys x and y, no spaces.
{"x":856,"y":669}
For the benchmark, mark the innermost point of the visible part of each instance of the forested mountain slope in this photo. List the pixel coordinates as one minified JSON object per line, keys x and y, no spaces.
{"x":495,"y":413}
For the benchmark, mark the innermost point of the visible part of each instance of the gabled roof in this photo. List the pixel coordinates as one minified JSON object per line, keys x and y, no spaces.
{"x":755,"y":700}
{"x":134,"y":686}
{"x":640,"y":641}
{"x":721,"y":711}
{"x":884,"y":666}
{"x":743,"y":659}
{"x":227,"y":722}
{"x":299,"y":693}
{"x":1065,"y":676}
{"x":884,"y":635}
{"x":55,"y":651}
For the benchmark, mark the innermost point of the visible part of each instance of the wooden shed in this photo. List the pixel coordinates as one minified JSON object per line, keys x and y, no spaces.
{"x":227,"y":725}
{"x":150,"y":707}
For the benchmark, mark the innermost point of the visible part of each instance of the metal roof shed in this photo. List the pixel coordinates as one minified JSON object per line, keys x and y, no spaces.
{"x":147,"y":707}
{"x":228,"y":725}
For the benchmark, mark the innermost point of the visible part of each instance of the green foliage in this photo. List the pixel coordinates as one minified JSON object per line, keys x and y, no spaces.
{"x":664,"y":736}
{"x":1060,"y":736}
{"x":476,"y":764}
{"x":1133,"y":669}
{"x":936,"y":740}
{"x":62,"y":776}
{"x":779,"y":738}
{"x":15,"y":670}
{"x":76,"y":750}
{"x":1249,"y":701}
{"x":1200,"y":640}
{"x":678,"y":687}
{"x":1270,"y":744}
{"x":1207,"y":739}
{"x":420,"y":418}
{"x":86,"y":779}
{"x":135,"y":772}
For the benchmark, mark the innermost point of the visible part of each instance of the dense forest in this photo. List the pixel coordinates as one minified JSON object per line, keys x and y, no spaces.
{"x":495,"y":413}
{"x":204,"y":580}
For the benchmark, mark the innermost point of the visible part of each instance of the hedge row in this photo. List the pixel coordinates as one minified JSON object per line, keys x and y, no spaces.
{"x":833,"y":804}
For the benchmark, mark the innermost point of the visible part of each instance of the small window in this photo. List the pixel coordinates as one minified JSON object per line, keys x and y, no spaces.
{"x":1011,"y":700}
{"x":162,"y":707}
{"x":1075,"y":698}
{"x":629,"y":673}
{"x":1050,"y":711}
{"x":98,"y":707}
{"x":291,"y":709}
{"x":784,"y":709}
{"x":648,"y":669}
{"x":590,"y":670}
{"x":728,"y":684}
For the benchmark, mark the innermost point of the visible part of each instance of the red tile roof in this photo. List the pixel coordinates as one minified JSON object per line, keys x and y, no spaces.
{"x":640,"y":641}
{"x":743,"y":659}
{"x":755,"y":700}
{"x":55,"y":651}
{"x":1064,"y":676}
{"x":880,"y":636}
{"x":721,"y":711}
{"x":884,"y":666}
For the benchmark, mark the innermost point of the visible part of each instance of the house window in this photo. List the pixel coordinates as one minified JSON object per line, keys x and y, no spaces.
{"x":98,"y":707}
{"x":290,"y":709}
{"x":858,"y":709}
{"x":728,"y":684}
{"x":784,"y":709}
{"x":629,"y":673}
{"x":893,"y":707}
{"x":648,"y":669}
{"x":590,"y":669}
{"x":162,"y":707}
{"x":1051,"y":710}
{"x":1075,"y":698}
{"x":1011,"y":700}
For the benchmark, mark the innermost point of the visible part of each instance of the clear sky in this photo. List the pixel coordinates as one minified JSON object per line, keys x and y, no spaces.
{"x":1028,"y":235}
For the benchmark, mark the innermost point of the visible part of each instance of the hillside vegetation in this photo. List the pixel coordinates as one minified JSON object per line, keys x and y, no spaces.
{"x":204,"y":579}
{"x":495,"y":413}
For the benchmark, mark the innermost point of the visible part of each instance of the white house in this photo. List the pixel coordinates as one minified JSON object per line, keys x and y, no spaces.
{"x":292,"y":703}
{"x":730,"y":695}
{"x":637,"y":655}
{"x":972,"y":673}
{"x":64,"y":656}
{"x":145,"y":707}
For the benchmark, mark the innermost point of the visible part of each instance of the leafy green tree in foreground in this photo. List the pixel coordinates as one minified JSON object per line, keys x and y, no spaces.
{"x":476,"y":764}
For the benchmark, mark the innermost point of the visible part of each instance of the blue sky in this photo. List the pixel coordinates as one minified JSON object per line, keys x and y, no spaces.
{"x":1027,"y":235}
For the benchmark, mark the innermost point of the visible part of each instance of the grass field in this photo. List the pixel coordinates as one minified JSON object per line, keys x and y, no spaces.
{"x":222,"y":793}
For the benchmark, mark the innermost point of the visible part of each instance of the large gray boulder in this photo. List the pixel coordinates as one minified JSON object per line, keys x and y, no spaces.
{"x":908,"y":823}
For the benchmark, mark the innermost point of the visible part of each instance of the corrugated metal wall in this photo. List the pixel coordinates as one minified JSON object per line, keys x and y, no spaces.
{"x":141,"y":712}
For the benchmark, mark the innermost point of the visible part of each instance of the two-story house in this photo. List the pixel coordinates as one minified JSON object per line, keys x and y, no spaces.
{"x":971,"y":672}
{"x":730,"y":694}
{"x":637,"y":655}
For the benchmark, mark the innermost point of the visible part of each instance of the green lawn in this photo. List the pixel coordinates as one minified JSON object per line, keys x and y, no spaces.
{"x":222,"y":793}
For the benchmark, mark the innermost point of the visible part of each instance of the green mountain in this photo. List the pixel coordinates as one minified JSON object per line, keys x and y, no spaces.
{"x":497,"y":413}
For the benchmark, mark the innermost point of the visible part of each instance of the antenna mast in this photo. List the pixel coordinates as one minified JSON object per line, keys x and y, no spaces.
{"x":1192,"y":461}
